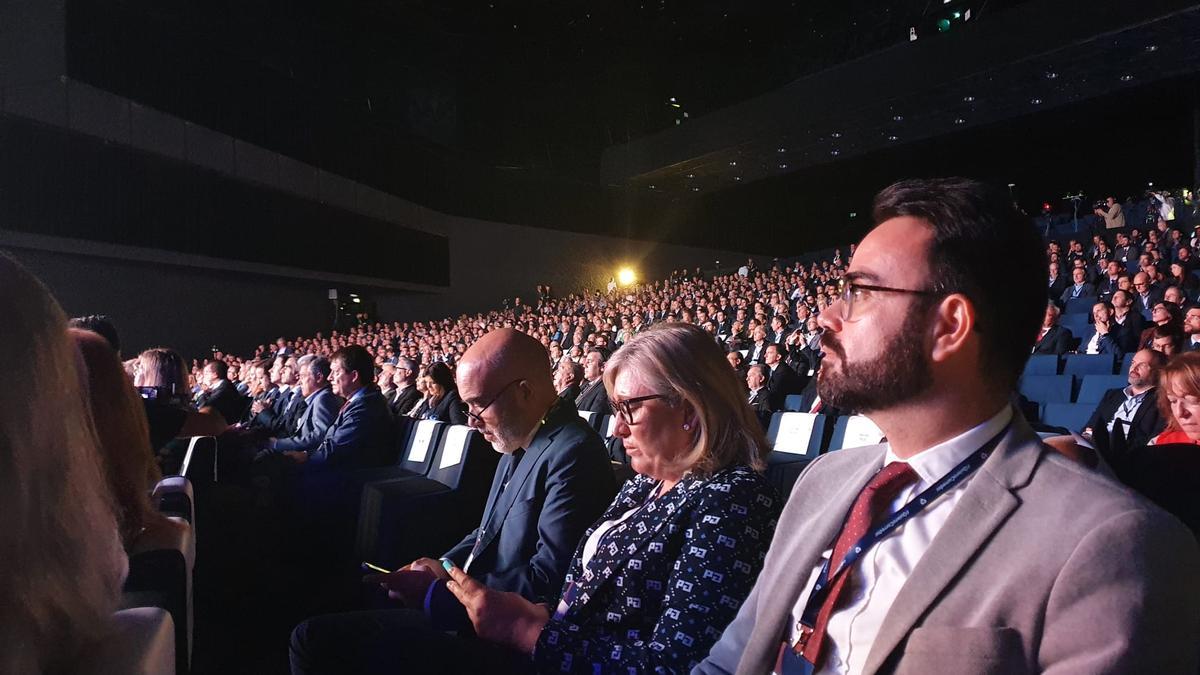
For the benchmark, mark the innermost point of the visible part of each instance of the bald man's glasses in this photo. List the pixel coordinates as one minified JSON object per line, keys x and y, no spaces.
{"x":477,"y":417}
{"x":849,"y":291}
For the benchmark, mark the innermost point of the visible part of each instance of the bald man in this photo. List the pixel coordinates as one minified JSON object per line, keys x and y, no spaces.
{"x":553,"y":482}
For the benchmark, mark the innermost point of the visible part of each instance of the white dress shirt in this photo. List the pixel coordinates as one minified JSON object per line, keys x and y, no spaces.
{"x":881,"y":572}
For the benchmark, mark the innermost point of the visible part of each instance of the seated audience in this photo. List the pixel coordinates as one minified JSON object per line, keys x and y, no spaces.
{"x":568,"y":379}
{"x":661,"y":572}
{"x":1079,"y":288}
{"x":1162,"y":314}
{"x":1131,"y":322}
{"x":219,"y":395}
{"x":406,"y":395}
{"x":1108,"y":336}
{"x":1167,"y":339}
{"x":162,"y":380}
{"x":61,"y":561}
{"x":443,"y":402}
{"x":102,"y":325}
{"x":321,"y":407}
{"x":782,"y":380}
{"x":1179,"y":403}
{"x":1135,"y":407}
{"x":553,"y":480}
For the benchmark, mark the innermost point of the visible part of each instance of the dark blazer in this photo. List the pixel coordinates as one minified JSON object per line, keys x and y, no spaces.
{"x":1068,"y":293}
{"x":663,"y":584}
{"x":281,"y":417}
{"x":313,"y":423}
{"x":783,"y":381}
{"x":530,"y":528}
{"x":1143,"y":307}
{"x":448,"y":410}
{"x":360,"y":436}
{"x":1115,"y":342}
{"x":594,"y":398}
{"x":1057,"y":341}
{"x":570,"y":393}
{"x":225,"y":399}
{"x":1147,"y":422}
{"x":756,"y":354}
{"x":1055,"y":289}
{"x":404,"y":401}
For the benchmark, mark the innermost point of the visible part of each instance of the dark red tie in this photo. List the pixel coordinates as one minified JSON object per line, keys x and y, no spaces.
{"x":872,"y":502}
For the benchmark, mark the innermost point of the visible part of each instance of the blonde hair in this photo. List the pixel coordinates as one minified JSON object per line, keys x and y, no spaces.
{"x":163,"y":367}
{"x":123,"y":432}
{"x":61,"y":566}
{"x":682,"y":360}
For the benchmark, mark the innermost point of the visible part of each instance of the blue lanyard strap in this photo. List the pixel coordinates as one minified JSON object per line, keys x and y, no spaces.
{"x":915,"y":506}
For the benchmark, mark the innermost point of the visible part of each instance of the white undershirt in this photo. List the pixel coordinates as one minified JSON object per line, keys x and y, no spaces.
{"x":881,"y":572}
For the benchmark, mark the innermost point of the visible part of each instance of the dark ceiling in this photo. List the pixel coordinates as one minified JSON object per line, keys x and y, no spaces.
{"x":559,"y":114}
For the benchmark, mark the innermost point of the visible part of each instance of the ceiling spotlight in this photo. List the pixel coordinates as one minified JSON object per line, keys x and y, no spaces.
{"x":691,"y":175}
{"x":780,"y":149}
{"x":835,"y":152}
{"x":893,"y":138}
{"x":968,"y":99}
{"x":651,"y":187}
{"x":1151,"y":48}
{"x":1126,"y":78}
{"x":1051,"y":75}
{"x":959,"y":120}
{"x":836,"y":134}
{"x":737,"y":179}
{"x":783,"y":166}
{"x":897,"y":118}
{"x":695,"y":189}
{"x":733,"y":164}
{"x":1035,"y":101}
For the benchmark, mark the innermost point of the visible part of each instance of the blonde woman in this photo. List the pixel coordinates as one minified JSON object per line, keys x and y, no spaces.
{"x":61,"y":562}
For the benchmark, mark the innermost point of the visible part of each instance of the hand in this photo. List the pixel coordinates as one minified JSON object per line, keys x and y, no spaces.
{"x":408,"y":585}
{"x":257,"y":407}
{"x":505,"y":618}
{"x":431,"y":566}
{"x":296,"y":456}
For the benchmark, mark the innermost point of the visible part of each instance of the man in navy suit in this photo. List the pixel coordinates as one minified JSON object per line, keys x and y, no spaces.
{"x":554,"y":480}
{"x":321,"y":407}
{"x":1052,"y":338}
{"x":361,"y":434}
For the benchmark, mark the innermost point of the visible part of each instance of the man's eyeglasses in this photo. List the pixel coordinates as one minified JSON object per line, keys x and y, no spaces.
{"x":849,"y":291}
{"x":478,"y":417}
{"x":628,"y":408}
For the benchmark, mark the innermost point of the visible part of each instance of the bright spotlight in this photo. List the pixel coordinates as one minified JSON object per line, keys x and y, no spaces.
{"x":626,"y":276}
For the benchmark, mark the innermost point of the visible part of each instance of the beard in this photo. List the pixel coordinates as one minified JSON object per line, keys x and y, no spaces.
{"x":900,"y":372}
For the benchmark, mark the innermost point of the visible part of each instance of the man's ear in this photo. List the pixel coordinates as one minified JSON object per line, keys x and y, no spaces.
{"x":954,"y":322}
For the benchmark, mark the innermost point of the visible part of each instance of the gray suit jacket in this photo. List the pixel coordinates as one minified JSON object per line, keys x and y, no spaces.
{"x":313,"y":424}
{"x":1043,"y":565}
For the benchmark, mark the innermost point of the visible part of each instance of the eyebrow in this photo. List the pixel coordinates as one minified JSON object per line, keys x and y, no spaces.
{"x":861,"y":276}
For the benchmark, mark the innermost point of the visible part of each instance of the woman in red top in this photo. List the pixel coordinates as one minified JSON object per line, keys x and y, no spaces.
{"x":1179,"y":382}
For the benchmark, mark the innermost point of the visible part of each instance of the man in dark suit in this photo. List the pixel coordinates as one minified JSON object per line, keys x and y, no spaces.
{"x":405,"y":380}
{"x":1145,"y":295}
{"x":1079,"y":288}
{"x":567,"y":377}
{"x":1135,"y":407}
{"x":554,"y":480}
{"x":782,"y":380}
{"x":361,"y":434}
{"x":593,"y":397}
{"x":1056,"y":283}
{"x":1053,"y":338}
{"x":219,"y":393}
{"x":1019,"y":560}
{"x":320,"y":408}
{"x":1108,"y":336}
{"x":278,"y":419}
{"x":758,"y":350}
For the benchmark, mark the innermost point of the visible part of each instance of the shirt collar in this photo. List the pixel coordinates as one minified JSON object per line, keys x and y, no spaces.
{"x":935,"y":462}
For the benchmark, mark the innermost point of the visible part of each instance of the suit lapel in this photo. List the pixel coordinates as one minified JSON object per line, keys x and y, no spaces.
{"x":504,"y":502}
{"x":986,"y":503}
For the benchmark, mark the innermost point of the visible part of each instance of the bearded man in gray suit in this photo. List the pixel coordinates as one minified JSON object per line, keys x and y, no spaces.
{"x":973,"y":547}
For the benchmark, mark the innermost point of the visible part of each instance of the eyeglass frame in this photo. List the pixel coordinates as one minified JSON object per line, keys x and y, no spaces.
{"x":846,"y":288}
{"x":478,"y":417}
{"x":621,"y":408}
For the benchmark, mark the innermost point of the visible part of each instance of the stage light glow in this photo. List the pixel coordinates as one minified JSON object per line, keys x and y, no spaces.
{"x":626,"y":276}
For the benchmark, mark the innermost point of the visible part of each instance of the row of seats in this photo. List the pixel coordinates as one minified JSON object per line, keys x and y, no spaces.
{"x":1077,"y":364}
{"x":1069,"y":388}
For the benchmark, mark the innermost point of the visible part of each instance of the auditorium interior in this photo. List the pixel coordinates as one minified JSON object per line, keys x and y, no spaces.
{"x":254,"y":203}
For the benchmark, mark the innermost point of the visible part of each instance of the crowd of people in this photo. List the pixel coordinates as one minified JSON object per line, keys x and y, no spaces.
{"x":960,"y":544}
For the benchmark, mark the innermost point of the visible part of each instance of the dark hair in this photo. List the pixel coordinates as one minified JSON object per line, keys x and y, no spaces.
{"x":1173,"y":310}
{"x":100,"y":324}
{"x":357,"y":359}
{"x":972,"y":222}
{"x":219,"y":367}
{"x":1170,"y":331}
{"x":441,"y":375}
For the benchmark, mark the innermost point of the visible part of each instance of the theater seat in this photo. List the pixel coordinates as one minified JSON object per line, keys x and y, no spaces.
{"x":1089,"y":364}
{"x":795,"y":438}
{"x":853,"y":431}
{"x":1041,"y":364}
{"x":1047,"y":388}
{"x":589,"y":417}
{"x":174,"y":496}
{"x":1092,"y":387}
{"x":1070,"y":416}
{"x":200,"y":460}
{"x":160,"y":575}
{"x":1078,"y":324}
{"x":141,"y":642}
{"x":1079,"y":306}
{"x":404,"y":518}
{"x":608,"y":426}
{"x":793,"y":403}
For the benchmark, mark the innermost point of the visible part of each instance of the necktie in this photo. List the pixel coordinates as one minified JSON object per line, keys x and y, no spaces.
{"x":870,"y":504}
{"x":817,"y":405}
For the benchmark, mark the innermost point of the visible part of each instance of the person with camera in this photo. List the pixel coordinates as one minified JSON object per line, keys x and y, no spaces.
{"x":1110,"y":211}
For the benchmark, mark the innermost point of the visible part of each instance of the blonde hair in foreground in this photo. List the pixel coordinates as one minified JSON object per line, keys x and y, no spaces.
{"x":61,"y":565}
{"x":682,"y":360}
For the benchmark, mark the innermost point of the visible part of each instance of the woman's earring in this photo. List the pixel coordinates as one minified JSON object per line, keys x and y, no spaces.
{"x":687,"y":427}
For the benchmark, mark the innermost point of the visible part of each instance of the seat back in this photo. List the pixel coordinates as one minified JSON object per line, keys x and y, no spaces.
{"x":1077,"y":324}
{"x":1072,"y":416}
{"x":1041,"y":364}
{"x":422,"y":446}
{"x":796,"y":433}
{"x":141,"y":642}
{"x":589,"y":417}
{"x":174,"y":497}
{"x":1047,"y":388}
{"x":853,"y":431}
{"x":160,"y":575}
{"x":1089,"y":364}
{"x":462,"y":452}
{"x":200,"y":460}
{"x":608,"y":426}
{"x":793,"y":403}
{"x":1092,"y":388}
{"x":1077,"y":306}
